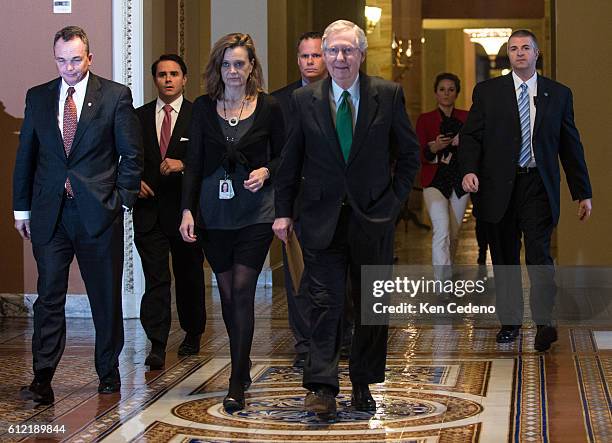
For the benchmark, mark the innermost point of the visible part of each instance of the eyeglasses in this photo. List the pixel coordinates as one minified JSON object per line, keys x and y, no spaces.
{"x":347,"y":51}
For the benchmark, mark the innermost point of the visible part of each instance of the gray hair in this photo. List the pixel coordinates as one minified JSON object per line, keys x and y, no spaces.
{"x":345,"y":25}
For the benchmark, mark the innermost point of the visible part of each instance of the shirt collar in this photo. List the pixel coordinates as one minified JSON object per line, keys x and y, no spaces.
{"x":176,"y":104}
{"x":79,"y":89}
{"x":531,"y":83}
{"x":353,"y":90}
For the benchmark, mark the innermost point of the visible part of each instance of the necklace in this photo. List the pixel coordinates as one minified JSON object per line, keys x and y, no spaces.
{"x":233,"y":121}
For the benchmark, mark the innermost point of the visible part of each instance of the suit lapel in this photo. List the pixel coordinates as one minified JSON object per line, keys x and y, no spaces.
{"x":178,"y":131}
{"x":541,"y":103}
{"x":90,"y":107}
{"x":323,"y":117}
{"x":53,"y":103}
{"x":368,"y":107}
{"x":510,"y":102}
{"x":151,"y":130}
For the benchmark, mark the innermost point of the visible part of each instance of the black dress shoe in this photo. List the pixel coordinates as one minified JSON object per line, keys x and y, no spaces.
{"x":231,"y":404}
{"x":38,"y":392}
{"x":345,"y":351}
{"x":300,"y":360}
{"x":190,"y":345}
{"x":545,"y":336}
{"x":109,"y":386}
{"x":155,"y":360}
{"x":507,"y":333}
{"x":321,"y":402}
{"x":361,"y":398}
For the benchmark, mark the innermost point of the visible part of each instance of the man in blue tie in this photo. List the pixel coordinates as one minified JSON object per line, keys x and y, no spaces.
{"x":519,"y":127}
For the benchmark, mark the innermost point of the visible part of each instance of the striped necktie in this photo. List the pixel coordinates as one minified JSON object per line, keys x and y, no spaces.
{"x":523,"y":107}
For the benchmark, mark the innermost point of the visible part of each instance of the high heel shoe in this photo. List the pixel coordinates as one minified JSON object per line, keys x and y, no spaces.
{"x":234,"y":400}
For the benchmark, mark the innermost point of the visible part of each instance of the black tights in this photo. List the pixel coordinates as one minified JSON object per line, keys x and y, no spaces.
{"x":237,"y":290}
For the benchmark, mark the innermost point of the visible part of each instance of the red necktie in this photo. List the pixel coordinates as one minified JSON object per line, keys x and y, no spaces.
{"x":70,"y":125}
{"x":166,"y":131}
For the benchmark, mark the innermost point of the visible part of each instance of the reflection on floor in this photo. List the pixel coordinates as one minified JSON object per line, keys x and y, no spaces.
{"x":443,"y":384}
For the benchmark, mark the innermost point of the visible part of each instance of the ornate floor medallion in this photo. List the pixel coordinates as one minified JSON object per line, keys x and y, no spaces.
{"x":422,"y":401}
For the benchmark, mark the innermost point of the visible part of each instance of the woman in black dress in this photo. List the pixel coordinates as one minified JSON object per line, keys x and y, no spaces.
{"x":228,"y":201}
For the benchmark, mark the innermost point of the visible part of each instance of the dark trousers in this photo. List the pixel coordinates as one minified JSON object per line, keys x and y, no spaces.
{"x":298,"y":306}
{"x":528,"y":215}
{"x":101,"y":263}
{"x":351,"y":247}
{"x":154,"y":248}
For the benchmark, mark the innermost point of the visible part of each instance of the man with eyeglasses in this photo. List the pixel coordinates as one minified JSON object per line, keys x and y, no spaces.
{"x":312,"y":68}
{"x":78,"y":167}
{"x":345,"y":133}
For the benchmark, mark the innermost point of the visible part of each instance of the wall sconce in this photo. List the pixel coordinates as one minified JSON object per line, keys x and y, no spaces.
{"x":372,"y":15}
{"x":491,"y":39}
{"x":401,"y":53}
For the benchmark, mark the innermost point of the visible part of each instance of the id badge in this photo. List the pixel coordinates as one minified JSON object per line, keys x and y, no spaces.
{"x":226,"y":190}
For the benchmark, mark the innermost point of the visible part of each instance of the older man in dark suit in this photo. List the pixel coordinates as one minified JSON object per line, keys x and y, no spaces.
{"x":157,"y":216}
{"x":346,"y":131}
{"x":78,"y":166}
{"x":312,"y":68}
{"x":519,"y":127}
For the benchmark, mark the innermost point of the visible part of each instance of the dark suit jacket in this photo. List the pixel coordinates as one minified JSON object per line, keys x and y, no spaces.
{"x":260,"y":146}
{"x":375,"y":193}
{"x":107,"y":129}
{"x":166,"y":205}
{"x":490,"y":143}
{"x":283,"y":96}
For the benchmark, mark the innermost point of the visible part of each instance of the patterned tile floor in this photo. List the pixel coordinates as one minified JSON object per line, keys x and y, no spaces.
{"x":443,"y":384}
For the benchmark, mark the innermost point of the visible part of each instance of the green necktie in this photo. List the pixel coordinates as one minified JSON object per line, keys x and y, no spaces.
{"x":344,"y":125}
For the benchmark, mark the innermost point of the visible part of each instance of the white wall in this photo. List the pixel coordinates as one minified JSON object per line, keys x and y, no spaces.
{"x":246,"y":16}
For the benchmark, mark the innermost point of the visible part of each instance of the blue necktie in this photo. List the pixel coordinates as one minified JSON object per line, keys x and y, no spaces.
{"x":523,"y":107}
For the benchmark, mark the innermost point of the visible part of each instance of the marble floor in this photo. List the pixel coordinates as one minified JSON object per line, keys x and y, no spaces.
{"x":445,"y":383}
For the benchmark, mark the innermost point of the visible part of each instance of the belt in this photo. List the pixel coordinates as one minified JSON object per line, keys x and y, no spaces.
{"x":521,"y":170}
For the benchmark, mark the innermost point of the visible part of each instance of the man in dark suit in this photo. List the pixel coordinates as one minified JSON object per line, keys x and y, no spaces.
{"x":346,"y":132}
{"x":157,"y":216}
{"x":519,"y":127}
{"x":78,"y":166}
{"x":312,"y":68}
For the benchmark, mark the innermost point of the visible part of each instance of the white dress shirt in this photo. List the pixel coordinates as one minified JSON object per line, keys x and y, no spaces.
{"x":160,"y":114}
{"x":532,"y":89}
{"x":336,"y":98}
{"x":80,"y":89}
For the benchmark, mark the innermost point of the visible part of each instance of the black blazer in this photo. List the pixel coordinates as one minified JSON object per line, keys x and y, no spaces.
{"x":166,"y":205}
{"x":283,"y":96}
{"x":367,"y":182}
{"x":260,"y":146}
{"x":107,"y":129}
{"x":490,"y":143}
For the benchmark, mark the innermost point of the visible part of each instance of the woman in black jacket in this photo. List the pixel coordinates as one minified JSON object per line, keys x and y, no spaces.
{"x":235,"y":144}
